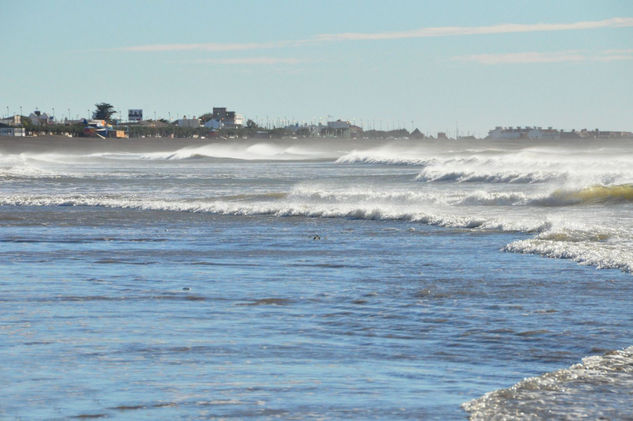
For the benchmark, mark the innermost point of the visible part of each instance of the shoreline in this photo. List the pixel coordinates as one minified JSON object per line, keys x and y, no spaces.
{"x":62,"y":144}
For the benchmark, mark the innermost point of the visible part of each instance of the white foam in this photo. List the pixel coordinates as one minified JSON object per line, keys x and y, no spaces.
{"x":292,"y":204}
{"x":238,"y":151}
{"x":612,"y":255}
{"x":599,"y":387}
{"x":580,"y":165}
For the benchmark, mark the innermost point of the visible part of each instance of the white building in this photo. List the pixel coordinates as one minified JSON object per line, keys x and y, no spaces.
{"x":539,"y":133}
{"x":239,"y":120}
{"x":37,"y":118}
{"x":507,"y":133}
{"x":523,"y":133}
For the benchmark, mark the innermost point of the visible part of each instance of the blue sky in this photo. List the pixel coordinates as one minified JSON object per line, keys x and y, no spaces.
{"x":432,"y":64}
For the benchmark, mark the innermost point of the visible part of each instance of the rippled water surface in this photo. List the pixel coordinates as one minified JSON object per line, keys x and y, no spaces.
{"x":288,"y":281}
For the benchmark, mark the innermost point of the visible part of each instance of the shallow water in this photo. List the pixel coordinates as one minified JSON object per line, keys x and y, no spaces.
{"x":196,"y":288}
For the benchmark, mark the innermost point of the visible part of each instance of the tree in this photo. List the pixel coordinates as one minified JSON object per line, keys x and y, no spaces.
{"x":26,"y":122}
{"x":251,"y":124}
{"x":104,"y":111}
{"x":206,"y":117}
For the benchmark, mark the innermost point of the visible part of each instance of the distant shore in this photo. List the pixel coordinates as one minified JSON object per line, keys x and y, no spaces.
{"x":49,"y":143}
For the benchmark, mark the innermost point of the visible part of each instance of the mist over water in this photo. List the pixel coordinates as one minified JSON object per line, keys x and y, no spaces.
{"x":413,"y":269}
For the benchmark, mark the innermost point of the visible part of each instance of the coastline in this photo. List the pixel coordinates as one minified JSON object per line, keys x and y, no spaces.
{"x":47,"y":143}
{"x":51,"y":142}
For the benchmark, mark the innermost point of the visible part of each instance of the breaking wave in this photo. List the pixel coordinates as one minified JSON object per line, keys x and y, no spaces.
{"x":575,"y":201}
{"x":384,"y":155}
{"x":621,"y":193}
{"x":597,"y":388}
{"x":509,"y":177}
{"x":510,"y":165}
{"x":282,"y":204}
{"x":581,"y":248}
{"x":237,"y":151}
{"x":607,"y":243}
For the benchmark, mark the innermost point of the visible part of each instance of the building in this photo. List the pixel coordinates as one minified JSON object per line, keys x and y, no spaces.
{"x":305,"y":129}
{"x":214,"y":124}
{"x":238,"y":120}
{"x":526,"y":132}
{"x":12,"y":131}
{"x":416,"y":134}
{"x":228,"y":119}
{"x":338,"y":125}
{"x":539,"y":133}
{"x":189,"y":123}
{"x":604,"y":134}
{"x":38,"y":118}
{"x":16,"y":120}
{"x":355,"y":131}
{"x":338,"y":128}
{"x":507,"y":133}
{"x":102,"y":130}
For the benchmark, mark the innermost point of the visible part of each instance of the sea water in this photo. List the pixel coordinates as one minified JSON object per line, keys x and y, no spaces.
{"x":316,"y":279}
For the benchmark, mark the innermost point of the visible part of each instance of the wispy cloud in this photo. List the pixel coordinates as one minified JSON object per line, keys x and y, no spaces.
{"x":427,"y":32}
{"x":505,"y":28}
{"x":620,"y":51}
{"x":526,"y":57}
{"x":211,"y":46}
{"x":547,"y":57}
{"x":616,"y":55}
{"x":250,"y":60}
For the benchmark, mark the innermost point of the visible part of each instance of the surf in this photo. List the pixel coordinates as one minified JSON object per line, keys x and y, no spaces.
{"x":562,"y":394}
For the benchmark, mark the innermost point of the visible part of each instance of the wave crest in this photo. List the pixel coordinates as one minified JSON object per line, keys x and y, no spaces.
{"x":577,"y":392}
{"x":619,"y":193}
{"x":583,"y":249}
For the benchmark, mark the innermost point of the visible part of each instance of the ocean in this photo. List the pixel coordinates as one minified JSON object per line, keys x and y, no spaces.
{"x":316,"y":279}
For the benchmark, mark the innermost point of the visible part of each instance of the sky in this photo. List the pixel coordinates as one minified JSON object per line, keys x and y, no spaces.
{"x":450,"y":65}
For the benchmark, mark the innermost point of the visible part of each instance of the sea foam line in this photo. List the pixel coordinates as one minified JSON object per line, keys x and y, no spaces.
{"x":596,"y":246}
{"x":577,"y":392}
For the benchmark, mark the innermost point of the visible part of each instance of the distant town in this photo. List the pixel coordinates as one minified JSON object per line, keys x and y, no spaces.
{"x":225,"y":124}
